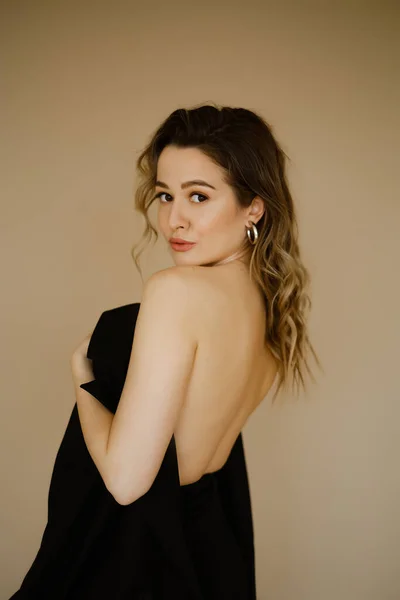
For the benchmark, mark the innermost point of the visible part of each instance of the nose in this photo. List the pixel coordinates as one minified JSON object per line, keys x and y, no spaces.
{"x":178,"y":215}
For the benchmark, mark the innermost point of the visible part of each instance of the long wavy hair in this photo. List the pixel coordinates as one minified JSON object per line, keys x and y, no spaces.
{"x":242,"y":144}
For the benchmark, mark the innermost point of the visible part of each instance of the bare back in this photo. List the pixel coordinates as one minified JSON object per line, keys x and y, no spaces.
{"x":233,"y":370}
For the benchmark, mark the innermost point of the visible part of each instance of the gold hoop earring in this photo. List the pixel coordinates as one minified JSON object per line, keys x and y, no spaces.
{"x":253,"y":239}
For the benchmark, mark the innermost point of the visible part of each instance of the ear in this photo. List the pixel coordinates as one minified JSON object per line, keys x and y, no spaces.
{"x":256,"y":209}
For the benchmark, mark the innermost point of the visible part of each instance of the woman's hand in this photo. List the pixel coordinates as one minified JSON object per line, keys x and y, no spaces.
{"x":81,"y":366}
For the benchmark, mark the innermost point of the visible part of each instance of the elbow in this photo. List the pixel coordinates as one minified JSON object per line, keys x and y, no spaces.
{"x":126,"y":485}
{"x":124,"y":494}
{"x":124,"y":500}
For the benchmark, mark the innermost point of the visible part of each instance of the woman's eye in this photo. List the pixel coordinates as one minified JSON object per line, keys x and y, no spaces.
{"x":160,"y":194}
{"x":196,"y":194}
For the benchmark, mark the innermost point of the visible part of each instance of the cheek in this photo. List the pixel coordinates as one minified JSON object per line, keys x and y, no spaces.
{"x":214,"y":222}
{"x":162,"y":220}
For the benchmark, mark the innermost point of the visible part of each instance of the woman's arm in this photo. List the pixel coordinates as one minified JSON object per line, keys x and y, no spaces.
{"x":128,"y":447}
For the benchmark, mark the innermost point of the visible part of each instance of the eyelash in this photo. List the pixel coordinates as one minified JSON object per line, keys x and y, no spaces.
{"x":192,"y":194}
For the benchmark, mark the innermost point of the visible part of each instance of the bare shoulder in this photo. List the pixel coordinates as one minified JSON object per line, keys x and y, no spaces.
{"x":184,"y":290}
{"x":189,"y":278}
{"x":177,"y":286}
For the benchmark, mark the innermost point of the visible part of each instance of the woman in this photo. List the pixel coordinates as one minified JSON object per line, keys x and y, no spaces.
{"x":152,"y":462}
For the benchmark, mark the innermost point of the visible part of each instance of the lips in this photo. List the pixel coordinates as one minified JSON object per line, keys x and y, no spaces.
{"x":181,"y":246}
{"x":180,"y":241}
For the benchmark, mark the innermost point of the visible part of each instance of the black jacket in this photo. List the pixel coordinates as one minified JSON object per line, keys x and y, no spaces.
{"x":93,"y":547}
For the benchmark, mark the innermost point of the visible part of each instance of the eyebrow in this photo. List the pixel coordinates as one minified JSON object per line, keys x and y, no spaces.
{"x":187,"y":184}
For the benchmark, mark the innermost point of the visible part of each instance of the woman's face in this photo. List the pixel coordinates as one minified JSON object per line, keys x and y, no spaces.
{"x":205,"y":213}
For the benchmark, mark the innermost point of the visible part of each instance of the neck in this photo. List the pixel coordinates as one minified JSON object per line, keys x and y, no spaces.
{"x":239,"y":256}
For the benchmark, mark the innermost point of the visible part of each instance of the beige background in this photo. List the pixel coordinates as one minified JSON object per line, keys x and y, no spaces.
{"x":84,"y":85}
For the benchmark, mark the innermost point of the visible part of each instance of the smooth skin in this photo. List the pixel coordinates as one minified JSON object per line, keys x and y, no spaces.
{"x":199,"y":366}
